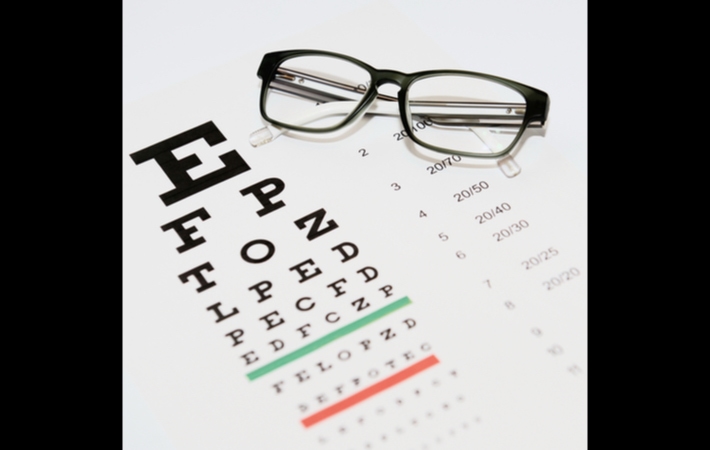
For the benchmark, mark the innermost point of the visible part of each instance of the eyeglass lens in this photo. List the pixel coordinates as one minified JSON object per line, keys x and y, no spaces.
{"x":302,"y":85}
{"x":465,"y":113}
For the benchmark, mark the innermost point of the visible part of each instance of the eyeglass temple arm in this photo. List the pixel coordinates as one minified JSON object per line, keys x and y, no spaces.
{"x":325,"y":97}
{"x":333,"y":104}
{"x":287,"y":80}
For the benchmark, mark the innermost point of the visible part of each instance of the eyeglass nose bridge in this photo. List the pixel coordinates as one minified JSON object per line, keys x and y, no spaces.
{"x":384,"y":77}
{"x":380,"y":77}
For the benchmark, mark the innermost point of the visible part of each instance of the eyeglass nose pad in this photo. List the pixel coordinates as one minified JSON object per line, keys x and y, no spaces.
{"x":508,"y":166}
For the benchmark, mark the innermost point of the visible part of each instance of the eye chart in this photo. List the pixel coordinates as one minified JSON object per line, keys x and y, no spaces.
{"x":348,"y":291}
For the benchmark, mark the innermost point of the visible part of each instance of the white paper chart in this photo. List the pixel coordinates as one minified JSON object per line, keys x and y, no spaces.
{"x":347,"y":292}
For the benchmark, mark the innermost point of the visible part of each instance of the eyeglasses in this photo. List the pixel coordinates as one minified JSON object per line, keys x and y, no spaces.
{"x":449,"y":111}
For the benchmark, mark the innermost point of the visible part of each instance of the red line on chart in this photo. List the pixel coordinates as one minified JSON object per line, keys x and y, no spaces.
{"x":370,"y":391}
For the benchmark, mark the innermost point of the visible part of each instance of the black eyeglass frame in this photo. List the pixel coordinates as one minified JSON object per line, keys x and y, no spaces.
{"x":537,"y":102}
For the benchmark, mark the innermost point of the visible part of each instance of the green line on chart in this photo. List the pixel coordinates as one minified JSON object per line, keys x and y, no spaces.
{"x":328,"y":338}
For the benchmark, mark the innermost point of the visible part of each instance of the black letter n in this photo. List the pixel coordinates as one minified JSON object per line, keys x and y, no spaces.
{"x":315,"y":230}
{"x":176,"y":169}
